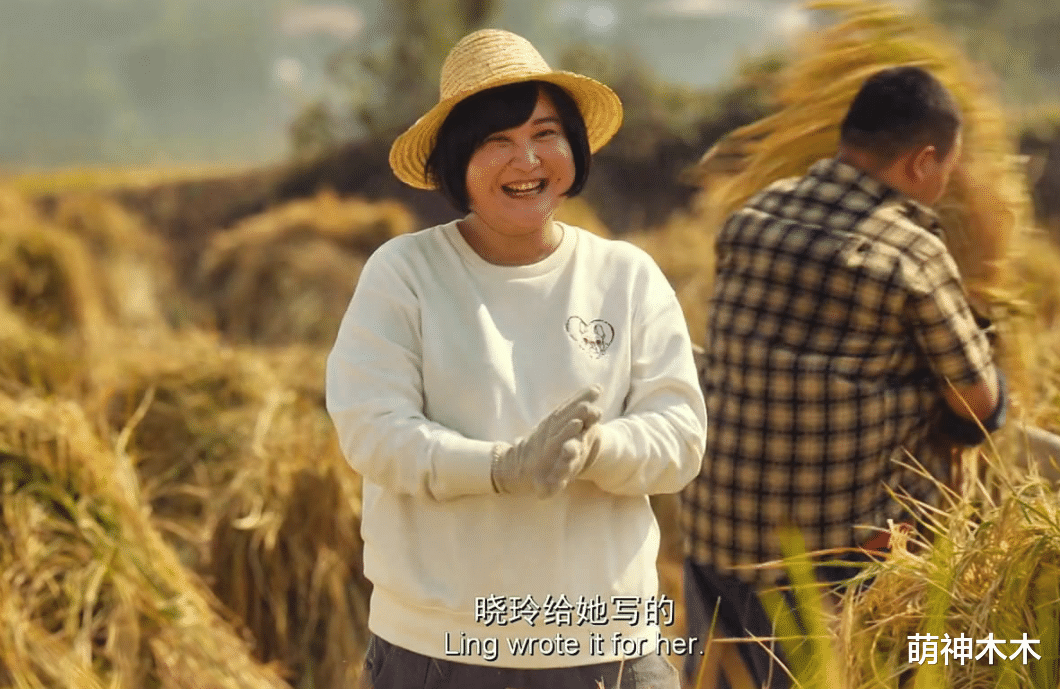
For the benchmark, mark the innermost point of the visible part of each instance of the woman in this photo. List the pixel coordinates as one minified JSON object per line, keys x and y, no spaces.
{"x":512,"y":389}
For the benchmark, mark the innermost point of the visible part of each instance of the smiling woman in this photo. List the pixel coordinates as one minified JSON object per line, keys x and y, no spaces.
{"x":512,"y":153}
{"x":512,"y":389}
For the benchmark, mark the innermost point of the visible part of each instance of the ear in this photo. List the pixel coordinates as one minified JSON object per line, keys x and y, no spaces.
{"x":921,"y":162}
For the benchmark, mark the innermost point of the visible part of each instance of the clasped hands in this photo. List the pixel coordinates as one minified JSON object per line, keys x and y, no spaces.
{"x":559,"y":448}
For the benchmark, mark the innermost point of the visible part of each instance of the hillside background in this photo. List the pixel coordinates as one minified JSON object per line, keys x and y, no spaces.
{"x":164,"y":81}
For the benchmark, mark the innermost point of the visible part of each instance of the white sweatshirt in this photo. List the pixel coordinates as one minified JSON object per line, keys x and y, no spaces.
{"x":439,"y":356}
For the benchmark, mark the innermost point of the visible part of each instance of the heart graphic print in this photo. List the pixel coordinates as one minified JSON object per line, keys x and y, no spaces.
{"x":594,"y":337}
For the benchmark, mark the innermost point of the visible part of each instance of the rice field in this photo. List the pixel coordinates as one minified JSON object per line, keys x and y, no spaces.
{"x":176,"y":511}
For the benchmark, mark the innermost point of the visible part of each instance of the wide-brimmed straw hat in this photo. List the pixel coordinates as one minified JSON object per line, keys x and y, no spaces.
{"x":485,"y":59}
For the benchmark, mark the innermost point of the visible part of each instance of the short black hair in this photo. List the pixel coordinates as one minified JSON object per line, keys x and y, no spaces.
{"x":488,"y":112}
{"x":899,"y":108}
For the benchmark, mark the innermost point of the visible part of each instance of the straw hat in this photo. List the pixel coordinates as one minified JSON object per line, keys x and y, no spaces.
{"x":485,"y":59}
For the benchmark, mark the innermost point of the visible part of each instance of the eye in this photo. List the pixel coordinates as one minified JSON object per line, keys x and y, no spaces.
{"x":545,"y":133}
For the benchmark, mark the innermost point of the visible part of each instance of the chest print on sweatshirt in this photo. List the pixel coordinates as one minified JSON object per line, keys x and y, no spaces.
{"x":594,"y":337}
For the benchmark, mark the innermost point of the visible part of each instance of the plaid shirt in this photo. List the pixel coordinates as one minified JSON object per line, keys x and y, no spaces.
{"x":836,"y":317}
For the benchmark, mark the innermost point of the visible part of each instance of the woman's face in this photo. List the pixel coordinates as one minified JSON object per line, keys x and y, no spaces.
{"x":518,"y":177}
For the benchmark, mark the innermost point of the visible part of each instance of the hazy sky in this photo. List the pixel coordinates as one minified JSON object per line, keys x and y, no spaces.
{"x":141,"y":81}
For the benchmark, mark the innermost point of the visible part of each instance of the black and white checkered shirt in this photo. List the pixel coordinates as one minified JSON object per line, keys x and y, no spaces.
{"x":836,"y":316}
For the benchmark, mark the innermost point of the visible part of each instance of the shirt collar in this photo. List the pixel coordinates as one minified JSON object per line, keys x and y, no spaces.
{"x":838,"y":171}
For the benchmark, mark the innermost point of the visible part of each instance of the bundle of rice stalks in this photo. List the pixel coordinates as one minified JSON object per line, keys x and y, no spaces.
{"x":184,"y":409}
{"x":286,"y":552}
{"x":969,"y":600}
{"x":287,"y":275}
{"x":989,"y":569}
{"x":36,"y":360}
{"x":981,"y":209}
{"x":46,"y":275}
{"x":90,"y":594}
{"x":134,"y":264}
{"x":1034,"y":271}
{"x":300,"y":370}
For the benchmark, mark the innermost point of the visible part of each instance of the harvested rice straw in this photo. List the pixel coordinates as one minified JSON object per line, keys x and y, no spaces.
{"x":991,"y":568}
{"x":686,"y":257}
{"x":134,"y":263}
{"x":578,"y":212}
{"x":46,"y":275}
{"x":287,"y":275}
{"x":286,"y":554}
{"x":90,"y":594}
{"x":184,"y":407}
{"x":32,"y":359}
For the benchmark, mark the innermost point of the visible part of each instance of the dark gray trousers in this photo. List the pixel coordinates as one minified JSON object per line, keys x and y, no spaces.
{"x":387,"y":666}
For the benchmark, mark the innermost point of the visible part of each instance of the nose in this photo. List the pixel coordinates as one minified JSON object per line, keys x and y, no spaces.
{"x":526,"y":156}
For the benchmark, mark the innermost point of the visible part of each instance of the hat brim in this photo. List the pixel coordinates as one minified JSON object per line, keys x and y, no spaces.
{"x":599,"y":106}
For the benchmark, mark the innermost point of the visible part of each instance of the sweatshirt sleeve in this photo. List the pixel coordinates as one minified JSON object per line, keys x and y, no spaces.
{"x":657,"y":445}
{"x":374,"y":394}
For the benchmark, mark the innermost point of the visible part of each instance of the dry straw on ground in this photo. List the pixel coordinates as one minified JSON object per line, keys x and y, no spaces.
{"x":46,"y":275}
{"x":32,"y":359}
{"x":684,"y":251}
{"x":133,"y":264}
{"x":578,"y":212}
{"x":287,"y":275}
{"x":91,"y":595}
{"x":286,"y":552}
{"x":237,"y":462}
{"x":183,"y":408}
{"x":286,"y":548}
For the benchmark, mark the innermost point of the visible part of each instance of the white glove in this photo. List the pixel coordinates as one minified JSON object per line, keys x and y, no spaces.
{"x":590,"y":445}
{"x":547,"y":459}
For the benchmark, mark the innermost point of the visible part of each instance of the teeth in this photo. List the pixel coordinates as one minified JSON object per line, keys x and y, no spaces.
{"x":523,"y":186}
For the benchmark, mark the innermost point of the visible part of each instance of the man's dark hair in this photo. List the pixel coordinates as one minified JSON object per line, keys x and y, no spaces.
{"x":493,"y":110}
{"x":900,"y":108}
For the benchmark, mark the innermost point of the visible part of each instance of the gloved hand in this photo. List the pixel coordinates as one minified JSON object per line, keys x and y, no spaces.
{"x":549,"y":457}
{"x":590,"y":448}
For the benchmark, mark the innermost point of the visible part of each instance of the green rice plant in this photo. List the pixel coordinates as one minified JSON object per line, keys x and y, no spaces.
{"x":978,"y":569}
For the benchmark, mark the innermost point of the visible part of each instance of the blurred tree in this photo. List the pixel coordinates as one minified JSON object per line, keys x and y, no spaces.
{"x":392,"y":79}
{"x":665,"y":128}
{"x":1017,"y":39}
{"x":656,"y":111}
{"x":314,"y":130}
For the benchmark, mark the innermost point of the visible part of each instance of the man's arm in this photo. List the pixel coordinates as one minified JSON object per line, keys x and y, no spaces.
{"x":958,"y":351}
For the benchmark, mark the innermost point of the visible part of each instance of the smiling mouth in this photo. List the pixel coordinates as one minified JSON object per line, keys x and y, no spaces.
{"x":523,"y":189}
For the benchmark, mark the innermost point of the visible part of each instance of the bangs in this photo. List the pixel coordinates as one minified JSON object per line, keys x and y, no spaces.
{"x":491,"y":111}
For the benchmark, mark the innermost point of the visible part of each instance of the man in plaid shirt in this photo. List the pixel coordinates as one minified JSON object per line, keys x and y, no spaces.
{"x":838,"y":325}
